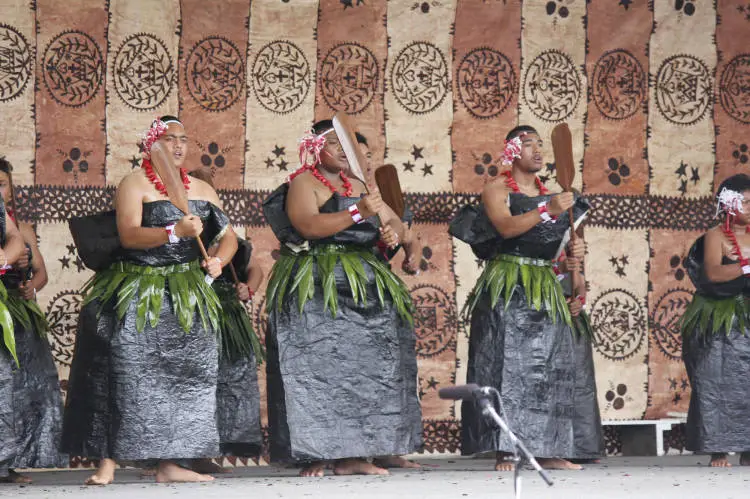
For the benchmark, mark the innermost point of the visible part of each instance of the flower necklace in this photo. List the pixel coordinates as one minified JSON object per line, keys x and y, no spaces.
{"x":727,"y":230}
{"x":347,"y":187}
{"x":154,"y":179}
{"x":512,"y":185}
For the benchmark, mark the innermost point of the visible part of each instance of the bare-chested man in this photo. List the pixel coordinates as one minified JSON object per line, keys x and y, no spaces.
{"x":148,"y":395}
{"x":342,"y":368}
{"x":521,"y":339}
{"x":715,"y":327}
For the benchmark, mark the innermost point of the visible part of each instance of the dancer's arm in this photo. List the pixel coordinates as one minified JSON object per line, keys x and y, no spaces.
{"x":39,"y":278}
{"x":129,"y":208}
{"x":303,"y":212}
{"x":495,"y":197}
{"x":14,"y":247}
{"x":712,"y":256}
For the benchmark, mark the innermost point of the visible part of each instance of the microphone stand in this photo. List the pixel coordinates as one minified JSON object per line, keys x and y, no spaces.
{"x":488,"y":411}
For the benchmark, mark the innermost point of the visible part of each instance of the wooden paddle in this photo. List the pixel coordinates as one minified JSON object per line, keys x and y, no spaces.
{"x":205,"y":175}
{"x":562,"y":146}
{"x":358,"y":163}
{"x":390,"y":188}
{"x":170,"y":177}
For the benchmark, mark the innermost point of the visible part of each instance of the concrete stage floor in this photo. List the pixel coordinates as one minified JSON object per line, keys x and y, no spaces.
{"x":446,"y":477}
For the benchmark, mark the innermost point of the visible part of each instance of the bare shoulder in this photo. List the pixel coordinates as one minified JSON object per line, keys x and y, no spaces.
{"x":27,"y":231}
{"x":133,"y":180}
{"x":495,"y":190}
{"x":200,"y":189}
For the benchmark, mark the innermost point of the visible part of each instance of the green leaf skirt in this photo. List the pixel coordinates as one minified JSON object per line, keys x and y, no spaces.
{"x":125,"y":282}
{"x":6,"y":322}
{"x":238,"y":338}
{"x":705,"y":316}
{"x":504,"y":274}
{"x":293,"y":272}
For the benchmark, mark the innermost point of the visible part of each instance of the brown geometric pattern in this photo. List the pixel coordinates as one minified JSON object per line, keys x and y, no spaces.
{"x":659,"y":113}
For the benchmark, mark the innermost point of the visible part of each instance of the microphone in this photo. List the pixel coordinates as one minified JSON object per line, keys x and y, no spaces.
{"x":482,"y":395}
{"x":460,"y":392}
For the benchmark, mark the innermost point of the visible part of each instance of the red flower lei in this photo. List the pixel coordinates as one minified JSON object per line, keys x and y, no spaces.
{"x":511,"y":183}
{"x":316,"y":173}
{"x":148,"y":169}
{"x":726,"y":228}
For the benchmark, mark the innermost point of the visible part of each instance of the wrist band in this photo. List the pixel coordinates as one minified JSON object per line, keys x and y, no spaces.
{"x":355,"y":214}
{"x":746,"y":269}
{"x":250,"y":293}
{"x":581,"y":299}
{"x":171,"y":234}
{"x":544,"y":213}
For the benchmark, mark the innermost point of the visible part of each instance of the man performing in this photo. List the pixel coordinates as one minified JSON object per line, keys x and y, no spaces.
{"x":37,"y":403}
{"x":12,"y":248}
{"x":715,"y":342}
{"x":238,"y":396}
{"x":155,"y":328}
{"x":342,"y":370}
{"x":521,"y":339}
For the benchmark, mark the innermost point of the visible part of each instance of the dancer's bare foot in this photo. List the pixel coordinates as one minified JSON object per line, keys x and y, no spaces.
{"x":170,"y":472}
{"x":504,"y":462}
{"x":104,"y":475}
{"x":357,"y":467}
{"x":316,"y":469}
{"x":719,"y":461}
{"x":395,"y":462}
{"x":745,"y":459}
{"x":554,"y":463}
{"x":207,"y":467}
{"x":592,"y":460}
{"x":14,"y":477}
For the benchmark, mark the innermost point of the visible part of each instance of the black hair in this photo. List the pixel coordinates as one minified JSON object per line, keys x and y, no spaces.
{"x":519,"y":130}
{"x":322,"y":126}
{"x":737,"y":183}
{"x":5,"y":165}
{"x":169,"y":117}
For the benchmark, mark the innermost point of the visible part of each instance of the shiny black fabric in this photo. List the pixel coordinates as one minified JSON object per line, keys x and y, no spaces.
{"x":717,"y":365}
{"x":87,"y":416}
{"x":587,"y":423}
{"x":240,"y":261}
{"x":7,"y":421}
{"x":37,"y":403}
{"x":162,"y":213}
{"x":588,"y":433}
{"x":472,"y":226}
{"x":532,"y":361}
{"x":96,"y":238}
{"x":345,"y":386}
{"x":238,"y":395}
{"x":8,"y":445}
{"x":153,"y":394}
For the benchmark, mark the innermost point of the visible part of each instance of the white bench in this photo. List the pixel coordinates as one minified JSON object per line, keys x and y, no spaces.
{"x":660,"y":425}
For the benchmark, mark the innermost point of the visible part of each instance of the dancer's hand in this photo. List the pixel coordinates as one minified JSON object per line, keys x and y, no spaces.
{"x":23,"y":260}
{"x":27,"y":290}
{"x":212,"y":266}
{"x":370,"y":204}
{"x":413,"y":250}
{"x":188,"y":226}
{"x":243,"y":292}
{"x":573,"y":264}
{"x":389,"y":236}
{"x":560,"y":203}
{"x":575,"y":306}
{"x":577,"y":248}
